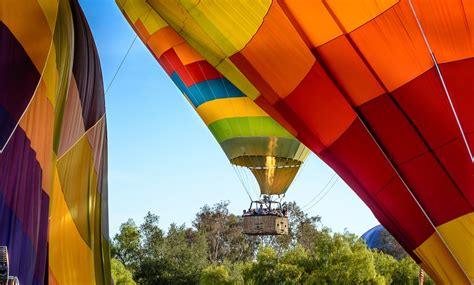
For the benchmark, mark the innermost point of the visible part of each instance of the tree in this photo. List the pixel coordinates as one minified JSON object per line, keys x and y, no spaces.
{"x":407,"y":272}
{"x":120,"y":274}
{"x":224,"y":234}
{"x":342,"y":259}
{"x":215,"y":275}
{"x":302,"y":230}
{"x":391,"y":246}
{"x":385,"y":265}
{"x":215,"y":251}
{"x":126,"y":245}
{"x":177,"y":258}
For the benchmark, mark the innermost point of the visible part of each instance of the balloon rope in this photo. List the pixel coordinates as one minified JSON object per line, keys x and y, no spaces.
{"x":324,"y":195}
{"x":435,"y":61}
{"x":319,"y":193}
{"x":460,"y":128}
{"x":120,"y":65}
{"x":125,"y":56}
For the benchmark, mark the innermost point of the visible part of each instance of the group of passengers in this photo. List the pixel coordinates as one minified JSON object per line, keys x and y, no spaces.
{"x":261,"y":211}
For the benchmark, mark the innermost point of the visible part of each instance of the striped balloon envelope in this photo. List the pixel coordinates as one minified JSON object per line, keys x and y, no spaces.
{"x":253,"y":141}
{"x":381,"y":90}
{"x":53,"y":155}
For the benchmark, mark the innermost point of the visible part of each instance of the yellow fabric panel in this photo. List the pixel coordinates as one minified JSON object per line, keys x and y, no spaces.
{"x":70,"y":259}
{"x":38,"y":124}
{"x":459,"y":235}
{"x":447,"y":29}
{"x":77,"y":188}
{"x":64,"y":54}
{"x":435,"y":256}
{"x":315,"y":20}
{"x":50,"y":76}
{"x":134,"y":8}
{"x":179,"y":19}
{"x":152,"y":21}
{"x":218,"y":19}
{"x":51,"y":279}
{"x":140,"y":10}
{"x":215,"y":110}
{"x":278,"y":53}
{"x":187,"y":54}
{"x":50,"y":10}
{"x":233,"y":74}
{"x":120,"y":3}
{"x":34,"y":34}
{"x":353,"y":14}
{"x":176,"y":16}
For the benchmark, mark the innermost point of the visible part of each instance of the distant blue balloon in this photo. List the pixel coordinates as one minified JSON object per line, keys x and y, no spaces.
{"x":372,"y":237}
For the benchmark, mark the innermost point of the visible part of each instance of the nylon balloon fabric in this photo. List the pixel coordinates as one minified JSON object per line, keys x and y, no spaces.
{"x":250,"y":138}
{"x":53,"y":160}
{"x":381,"y":90}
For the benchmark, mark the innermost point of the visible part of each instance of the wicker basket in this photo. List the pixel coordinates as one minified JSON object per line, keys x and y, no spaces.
{"x":265,"y":225}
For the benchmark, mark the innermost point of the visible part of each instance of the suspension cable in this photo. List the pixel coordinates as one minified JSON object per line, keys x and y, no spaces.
{"x":319,"y":192}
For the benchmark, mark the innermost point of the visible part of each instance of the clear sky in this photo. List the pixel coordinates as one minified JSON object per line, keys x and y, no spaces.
{"x":163,"y":159}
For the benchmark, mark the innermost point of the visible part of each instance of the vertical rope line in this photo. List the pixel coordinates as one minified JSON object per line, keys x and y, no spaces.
{"x":420,"y":27}
{"x":453,"y":109}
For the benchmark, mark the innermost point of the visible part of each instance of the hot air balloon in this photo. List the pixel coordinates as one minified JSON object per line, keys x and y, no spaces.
{"x":253,"y":141}
{"x":373,"y":237}
{"x":380,"y":90}
{"x":53,"y":155}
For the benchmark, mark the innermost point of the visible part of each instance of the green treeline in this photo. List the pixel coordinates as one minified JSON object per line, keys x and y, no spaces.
{"x":214,"y":251}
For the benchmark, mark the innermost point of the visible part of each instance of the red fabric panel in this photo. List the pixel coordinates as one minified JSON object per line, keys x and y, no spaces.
{"x":197,"y":72}
{"x":170,"y":61}
{"x":267,"y":107}
{"x":457,"y":162}
{"x":398,"y":203}
{"x":399,"y":138}
{"x":458,"y":78}
{"x":374,"y":181}
{"x":424,"y":101}
{"x":420,"y":170}
{"x":440,"y":199}
{"x":318,"y":103}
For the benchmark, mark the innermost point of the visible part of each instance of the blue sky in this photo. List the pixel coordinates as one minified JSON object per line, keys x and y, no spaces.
{"x":163,"y":159}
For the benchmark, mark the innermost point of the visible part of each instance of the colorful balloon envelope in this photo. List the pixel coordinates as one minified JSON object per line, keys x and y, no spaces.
{"x":53,"y":154}
{"x":380,"y":90}
{"x":250,"y":138}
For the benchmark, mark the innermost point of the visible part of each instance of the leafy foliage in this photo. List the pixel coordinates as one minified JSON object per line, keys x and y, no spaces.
{"x":214,"y":251}
{"x":120,"y":274}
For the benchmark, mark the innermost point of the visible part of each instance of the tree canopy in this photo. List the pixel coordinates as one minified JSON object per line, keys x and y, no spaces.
{"x":214,"y":251}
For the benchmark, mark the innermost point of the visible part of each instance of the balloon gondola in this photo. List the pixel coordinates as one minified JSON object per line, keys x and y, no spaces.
{"x":265,"y":217}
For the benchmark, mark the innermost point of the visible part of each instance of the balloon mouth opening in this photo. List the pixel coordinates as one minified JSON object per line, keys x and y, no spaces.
{"x":265,"y":162}
{"x":273,"y":175}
